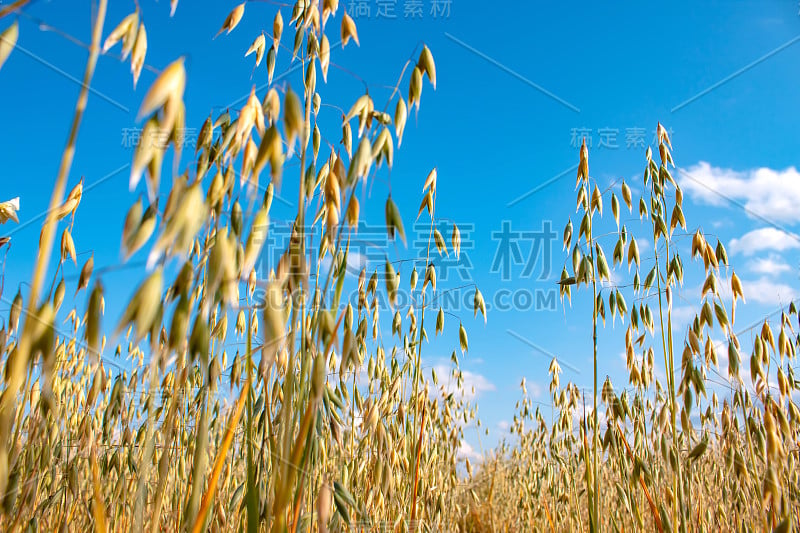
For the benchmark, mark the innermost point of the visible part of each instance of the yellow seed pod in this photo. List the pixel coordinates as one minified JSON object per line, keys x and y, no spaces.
{"x":318,"y":374}
{"x":415,"y":87}
{"x":391,"y":282}
{"x":258,"y":46}
{"x":68,"y":246}
{"x":122,"y":30}
{"x":8,"y":39}
{"x":282,"y":360}
{"x":254,"y":323}
{"x":58,"y":294}
{"x":93,"y":318}
{"x":430,"y":277}
{"x":240,"y":322}
{"x":455,"y":241}
{"x":138,"y":53}
{"x":462,"y":338}
{"x":86,"y":274}
{"x":274,"y":320}
{"x":277,"y":29}
{"x":440,"y":244}
{"x":324,"y":56}
{"x":292,"y":117}
{"x":427,"y":66}
{"x":348,"y":30}
{"x":353,"y":212}
{"x":168,"y":87}
{"x":232,"y":20}
{"x":394,"y":222}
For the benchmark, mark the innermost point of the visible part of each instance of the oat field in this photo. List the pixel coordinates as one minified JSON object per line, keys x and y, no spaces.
{"x":227,"y":398}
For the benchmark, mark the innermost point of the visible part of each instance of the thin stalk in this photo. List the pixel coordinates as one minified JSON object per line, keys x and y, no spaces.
{"x":16,"y":6}
{"x":418,"y":365}
{"x":670,"y":384}
{"x":163,"y":464}
{"x":282,"y":491}
{"x":144,"y":472}
{"x":416,"y":466}
{"x":596,"y":527}
{"x":672,"y":388}
{"x":252,"y":497}
{"x":667,"y":346}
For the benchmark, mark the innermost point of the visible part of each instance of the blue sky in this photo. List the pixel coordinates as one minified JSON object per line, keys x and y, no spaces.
{"x":502,"y":128}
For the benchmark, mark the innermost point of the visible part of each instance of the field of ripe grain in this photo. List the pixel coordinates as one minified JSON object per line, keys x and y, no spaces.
{"x":227,"y":398}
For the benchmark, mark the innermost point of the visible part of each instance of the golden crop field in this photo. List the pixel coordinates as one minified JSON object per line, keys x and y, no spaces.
{"x":226,"y":400}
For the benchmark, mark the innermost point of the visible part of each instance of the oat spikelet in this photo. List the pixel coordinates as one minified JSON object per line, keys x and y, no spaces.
{"x":138,"y":55}
{"x":232,"y":20}
{"x":168,"y":86}
{"x":8,"y":40}
{"x":8,"y":210}
{"x":349,"y":30}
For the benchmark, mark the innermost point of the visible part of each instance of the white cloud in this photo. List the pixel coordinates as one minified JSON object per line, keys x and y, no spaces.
{"x":771,"y":265}
{"x":615,"y":279}
{"x":721,"y":223}
{"x":465,"y":451}
{"x":355,"y":262}
{"x":643,"y":244}
{"x":767,"y":291}
{"x":682,"y":316}
{"x":503,"y":426}
{"x":362,"y":377}
{"x":768,"y":193}
{"x":764,"y":239}
{"x":577,"y":416}
{"x":472,"y":384}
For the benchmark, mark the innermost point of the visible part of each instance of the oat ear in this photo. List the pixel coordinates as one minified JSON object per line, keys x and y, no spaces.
{"x":138,"y":54}
{"x":122,"y":30}
{"x":168,"y":87}
{"x":8,"y":40}
{"x":348,"y":30}
{"x":232,"y":20}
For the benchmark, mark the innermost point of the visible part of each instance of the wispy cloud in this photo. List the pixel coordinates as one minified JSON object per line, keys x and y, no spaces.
{"x":768,"y":291}
{"x":473,"y":384}
{"x":682,"y":316}
{"x":764,"y":192}
{"x":772,"y":265}
{"x":466,"y":451}
{"x":355,"y":262}
{"x":764,"y":240}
